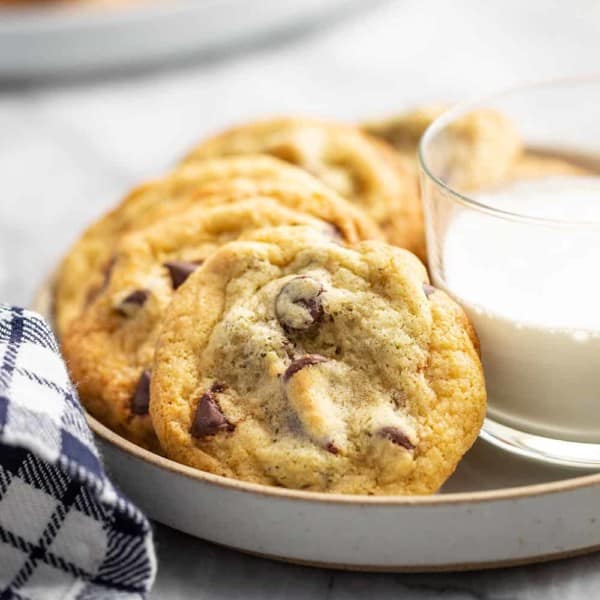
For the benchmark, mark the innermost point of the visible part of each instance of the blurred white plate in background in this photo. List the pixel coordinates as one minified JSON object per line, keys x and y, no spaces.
{"x":40,"y":39}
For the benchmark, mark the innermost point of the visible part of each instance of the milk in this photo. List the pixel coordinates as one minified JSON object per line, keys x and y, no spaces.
{"x":533,"y":293}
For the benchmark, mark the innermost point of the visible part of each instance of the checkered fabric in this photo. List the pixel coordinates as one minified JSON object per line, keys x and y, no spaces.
{"x":65,"y":531}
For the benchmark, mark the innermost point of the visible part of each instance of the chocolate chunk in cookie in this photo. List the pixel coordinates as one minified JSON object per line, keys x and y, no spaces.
{"x":304,"y":361}
{"x":298,"y":305}
{"x":131,"y":303}
{"x":332,"y":448}
{"x":141,"y":397}
{"x":396,"y":436}
{"x":179,"y":271}
{"x":209,"y":419}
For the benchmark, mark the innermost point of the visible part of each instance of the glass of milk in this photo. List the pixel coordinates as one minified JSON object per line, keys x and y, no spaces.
{"x":512,"y":209}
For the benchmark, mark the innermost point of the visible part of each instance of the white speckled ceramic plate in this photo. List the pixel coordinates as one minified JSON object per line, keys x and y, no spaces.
{"x":45,"y":38}
{"x":498,"y":509}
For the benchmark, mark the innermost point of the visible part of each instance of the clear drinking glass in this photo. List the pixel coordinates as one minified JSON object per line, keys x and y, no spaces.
{"x":511,"y":191}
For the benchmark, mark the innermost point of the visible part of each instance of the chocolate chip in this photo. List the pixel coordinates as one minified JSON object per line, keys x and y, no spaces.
{"x":304,"y":361}
{"x":298,"y":305}
{"x":217,"y":387}
{"x":180,"y":270}
{"x":331,"y":447}
{"x":428,"y":289}
{"x":396,"y":436}
{"x":209,"y":419}
{"x":141,"y":397}
{"x":132,"y":302}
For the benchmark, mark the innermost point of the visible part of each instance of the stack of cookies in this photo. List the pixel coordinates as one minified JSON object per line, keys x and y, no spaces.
{"x":262,"y":313}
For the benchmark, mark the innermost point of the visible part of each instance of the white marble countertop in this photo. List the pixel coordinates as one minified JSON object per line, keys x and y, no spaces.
{"x":69,"y":149}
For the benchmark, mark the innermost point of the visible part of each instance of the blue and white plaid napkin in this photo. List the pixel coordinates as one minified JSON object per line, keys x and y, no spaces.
{"x":65,"y":531}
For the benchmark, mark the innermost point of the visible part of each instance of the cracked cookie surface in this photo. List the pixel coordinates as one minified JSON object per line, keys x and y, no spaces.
{"x":358,"y":166}
{"x":308,"y":365}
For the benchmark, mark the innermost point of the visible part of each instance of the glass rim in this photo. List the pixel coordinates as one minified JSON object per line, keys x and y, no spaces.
{"x":464,"y":107}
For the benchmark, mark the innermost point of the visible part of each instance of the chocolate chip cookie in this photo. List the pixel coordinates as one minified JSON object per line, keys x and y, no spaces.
{"x":86,"y":267}
{"x":477,"y":149}
{"x":404,"y":131}
{"x":109,"y":348}
{"x":309,"y":365}
{"x":358,"y":166}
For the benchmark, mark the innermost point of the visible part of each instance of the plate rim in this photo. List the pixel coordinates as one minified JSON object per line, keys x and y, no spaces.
{"x":42,"y":303}
{"x":454,"y":498}
{"x":44,"y":19}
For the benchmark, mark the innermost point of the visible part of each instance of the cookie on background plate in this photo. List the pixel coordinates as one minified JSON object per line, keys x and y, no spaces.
{"x":84,"y":269}
{"x":358,"y":166}
{"x":109,"y":348}
{"x":304,"y":364}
